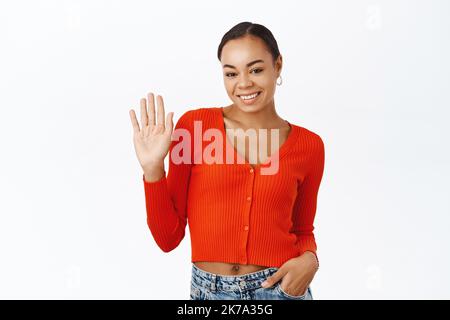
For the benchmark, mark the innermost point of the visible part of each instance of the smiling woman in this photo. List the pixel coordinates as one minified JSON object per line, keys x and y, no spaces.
{"x":251,"y":234}
{"x":251,"y":64}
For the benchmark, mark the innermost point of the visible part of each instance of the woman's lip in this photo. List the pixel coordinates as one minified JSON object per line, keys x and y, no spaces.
{"x":239,"y":95}
{"x":251,"y":101}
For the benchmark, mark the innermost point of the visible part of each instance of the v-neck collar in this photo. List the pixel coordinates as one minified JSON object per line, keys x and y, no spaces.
{"x":282,"y":150}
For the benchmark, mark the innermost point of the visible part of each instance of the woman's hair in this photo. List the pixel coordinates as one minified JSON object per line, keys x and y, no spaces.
{"x":247,"y":28}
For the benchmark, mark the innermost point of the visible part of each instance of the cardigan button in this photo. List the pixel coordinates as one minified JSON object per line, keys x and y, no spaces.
{"x":251,"y":170}
{"x":249,"y":198}
{"x":246,"y":228}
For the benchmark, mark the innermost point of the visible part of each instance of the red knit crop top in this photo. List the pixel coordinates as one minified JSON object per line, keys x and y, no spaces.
{"x":235,"y":213}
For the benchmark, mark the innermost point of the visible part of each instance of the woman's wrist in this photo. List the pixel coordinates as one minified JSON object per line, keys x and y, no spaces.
{"x":314,"y":256}
{"x":154,"y":173}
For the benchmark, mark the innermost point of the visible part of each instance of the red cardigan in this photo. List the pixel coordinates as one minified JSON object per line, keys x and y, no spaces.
{"x":235,"y":213}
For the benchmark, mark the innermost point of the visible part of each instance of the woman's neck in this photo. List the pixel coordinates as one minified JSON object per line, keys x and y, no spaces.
{"x":266,"y":118}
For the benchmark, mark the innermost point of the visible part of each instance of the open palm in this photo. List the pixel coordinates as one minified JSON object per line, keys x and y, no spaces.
{"x":152,"y":140}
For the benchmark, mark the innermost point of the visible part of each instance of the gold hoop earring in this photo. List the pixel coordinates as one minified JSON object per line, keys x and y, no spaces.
{"x":279,"y":84}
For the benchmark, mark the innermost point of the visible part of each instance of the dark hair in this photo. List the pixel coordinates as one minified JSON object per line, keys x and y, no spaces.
{"x":247,"y":28}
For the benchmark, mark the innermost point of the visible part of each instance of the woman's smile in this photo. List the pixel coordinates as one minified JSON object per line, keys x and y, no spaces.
{"x":249,"y":99}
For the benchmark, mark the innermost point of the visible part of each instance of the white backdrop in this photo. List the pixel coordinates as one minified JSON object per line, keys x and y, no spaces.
{"x":372,"y":78}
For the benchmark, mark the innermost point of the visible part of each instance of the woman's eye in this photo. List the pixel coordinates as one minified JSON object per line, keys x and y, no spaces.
{"x":232,"y":73}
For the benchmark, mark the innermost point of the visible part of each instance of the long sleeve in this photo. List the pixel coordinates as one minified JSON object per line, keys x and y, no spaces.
{"x":166,"y":199}
{"x":304,"y":209}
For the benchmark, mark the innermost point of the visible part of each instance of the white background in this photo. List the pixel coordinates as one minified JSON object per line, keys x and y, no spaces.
{"x":372,"y":78}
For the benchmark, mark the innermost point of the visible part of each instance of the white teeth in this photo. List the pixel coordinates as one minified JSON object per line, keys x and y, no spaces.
{"x":250,"y":97}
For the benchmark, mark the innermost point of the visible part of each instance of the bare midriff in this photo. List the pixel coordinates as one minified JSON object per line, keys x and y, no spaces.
{"x":228,"y":269}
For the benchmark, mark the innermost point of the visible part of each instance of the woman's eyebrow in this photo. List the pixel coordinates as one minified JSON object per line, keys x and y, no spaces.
{"x":248,"y":64}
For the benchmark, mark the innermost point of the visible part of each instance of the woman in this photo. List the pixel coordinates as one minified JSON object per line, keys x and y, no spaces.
{"x":251,"y":226}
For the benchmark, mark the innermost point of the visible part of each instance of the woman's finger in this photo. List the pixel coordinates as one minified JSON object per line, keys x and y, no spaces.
{"x":134,"y":122}
{"x":151,"y":107}
{"x":144,"y":116}
{"x":169,"y":122}
{"x":161,"y":116}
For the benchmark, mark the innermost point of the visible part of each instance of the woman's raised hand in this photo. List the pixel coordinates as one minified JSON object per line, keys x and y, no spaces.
{"x":152,"y":140}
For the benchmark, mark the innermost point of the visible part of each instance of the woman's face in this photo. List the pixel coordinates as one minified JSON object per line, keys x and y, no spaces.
{"x":243,"y":76}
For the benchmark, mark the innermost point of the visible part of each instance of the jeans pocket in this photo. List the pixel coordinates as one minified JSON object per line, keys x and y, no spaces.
{"x":289,"y":296}
{"x":197,"y":292}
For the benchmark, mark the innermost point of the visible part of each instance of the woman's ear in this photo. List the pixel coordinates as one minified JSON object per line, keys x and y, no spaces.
{"x":279,"y":65}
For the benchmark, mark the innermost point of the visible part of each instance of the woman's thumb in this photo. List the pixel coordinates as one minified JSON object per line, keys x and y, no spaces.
{"x":270,"y":281}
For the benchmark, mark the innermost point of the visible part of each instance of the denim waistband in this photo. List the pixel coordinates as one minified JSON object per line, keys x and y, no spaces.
{"x":214,"y":281}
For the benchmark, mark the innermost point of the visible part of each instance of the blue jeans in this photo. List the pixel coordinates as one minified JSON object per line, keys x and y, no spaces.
{"x":210,"y":286}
